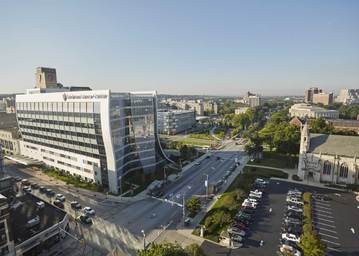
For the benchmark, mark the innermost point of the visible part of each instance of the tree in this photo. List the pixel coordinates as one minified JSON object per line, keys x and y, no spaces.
{"x":311,"y":244}
{"x":193,"y":206}
{"x":319,"y":125}
{"x":164,"y":249}
{"x":194,"y":250}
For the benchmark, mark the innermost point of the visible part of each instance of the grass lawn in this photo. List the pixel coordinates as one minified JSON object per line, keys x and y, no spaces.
{"x":203,"y":136}
{"x":277,"y":160}
{"x":73,"y":180}
{"x":221,"y":215}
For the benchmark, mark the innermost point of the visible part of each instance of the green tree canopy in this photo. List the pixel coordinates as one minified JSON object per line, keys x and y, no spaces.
{"x":311,"y":244}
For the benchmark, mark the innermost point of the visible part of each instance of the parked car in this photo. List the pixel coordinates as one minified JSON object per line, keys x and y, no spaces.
{"x":293,"y":229}
{"x":242,"y":220}
{"x":84,"y":219}
{"x":290,"y":250}
{"x":49,"y":192}
{"x":236,"y":231}
{"x":88,"y":210}
{"x":187,"y":221}
{"x":42,"y":190}
{"x":294,"y":215}
{"x":237,"y":238}
{"x":60,"y":197}
{"x":291,"y":237}
{"x":25,"y":182}
{"x":34,"y":186}
{"x":59,"y":204}
{"x":292,"y":220}
{"x":294,"y":200}
{"x":75,"y":205}
{"x":236,"y":245}
{"x":17,"y":178}
{"x":294,"y":208}
{"x":249,"y":204}
{"x":240,"y":225}
{"x":40,"y":205}
{"x":248,"y":210}
{"x":27,"y":189}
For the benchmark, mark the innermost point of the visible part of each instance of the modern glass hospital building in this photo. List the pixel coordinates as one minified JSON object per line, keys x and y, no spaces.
{"x":98,"y":135}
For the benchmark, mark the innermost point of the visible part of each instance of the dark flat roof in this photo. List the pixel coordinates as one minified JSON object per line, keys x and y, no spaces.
{"x":49,"y":216}
{"x":7,"y":120}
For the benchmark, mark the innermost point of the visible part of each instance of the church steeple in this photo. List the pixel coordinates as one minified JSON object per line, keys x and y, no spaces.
{"x":304,"y":138}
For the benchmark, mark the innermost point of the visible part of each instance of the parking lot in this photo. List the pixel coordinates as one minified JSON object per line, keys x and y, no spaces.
{"x":333,"y":219}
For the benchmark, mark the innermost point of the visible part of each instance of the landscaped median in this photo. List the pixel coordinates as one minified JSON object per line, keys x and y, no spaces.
{"x":227,"y":206}
{"x":309,"y":241}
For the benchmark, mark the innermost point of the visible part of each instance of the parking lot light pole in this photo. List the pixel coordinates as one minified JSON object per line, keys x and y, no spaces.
{"x":206,"y":185}
{"x":144,"y":239}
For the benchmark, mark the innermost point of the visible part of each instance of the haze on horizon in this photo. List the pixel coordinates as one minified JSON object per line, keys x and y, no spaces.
{"x":182,"y":47}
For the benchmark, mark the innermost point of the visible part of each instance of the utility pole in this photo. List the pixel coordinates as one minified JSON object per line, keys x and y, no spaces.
{"x":144,"y":239}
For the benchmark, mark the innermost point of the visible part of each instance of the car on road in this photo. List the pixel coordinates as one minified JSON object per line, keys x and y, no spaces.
{"x":75,"y":205}
{"x":17,"y":178}
{"x":60,"y":197}
{"x":59,"y":204}
{"x":42,"y":190}
{"x":49,"y":192}
{"x":88,"y":210}
{"x":321,"y":197}
{"x":25,"y":182}
{"x":197,"y":163}
{"x":291,"y":237}
{"x":84,"y":219}
{"x":27,"y":189}
{"x":34,"y":186}
{"x":40,"y":204}
{"x":187,"y":221}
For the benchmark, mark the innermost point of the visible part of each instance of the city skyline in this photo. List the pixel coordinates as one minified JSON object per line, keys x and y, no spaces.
{"x":202,"y":48}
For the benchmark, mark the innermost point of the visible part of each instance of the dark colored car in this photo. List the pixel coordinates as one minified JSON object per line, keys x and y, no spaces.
{"x":84,"y":219}
{"x":59,"y":204}
{"x":295,"y":215}
{"x":42,"y":190}
{"x":248,"y":210}
{"x":34,"y":186}
{"x":75,"y":205}
{"x":244,"y":221}
{"x":49,"y":192}
{"x":240,"y":225}
{"x":17,"y":178}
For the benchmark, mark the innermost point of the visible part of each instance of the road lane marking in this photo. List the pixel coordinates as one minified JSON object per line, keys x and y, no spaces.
{"x":330,"y":242}
{"x":327,"y":230}
{"x":335,"y":237}
{"x":318,"y":218}
{"x":324,"y":224}
{"x":322,"y":207}
{"x":318,"y":210}
{"x":322,"y":203}
{"x":324,"y":215}
{"x":333,"y":249}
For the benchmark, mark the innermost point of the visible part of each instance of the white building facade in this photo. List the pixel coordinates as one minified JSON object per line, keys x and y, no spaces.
{"x":328,"y":158}
{"x":100,"y":136}
{"x":303,"y":110}
{"x":175,"y":121}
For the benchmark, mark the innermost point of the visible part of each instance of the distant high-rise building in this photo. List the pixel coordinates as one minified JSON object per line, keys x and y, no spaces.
{"x":348,"y":96}
{"x":323,"y":98}
{"x":308,"y":96}
{"x":252,"y":100}
{"x":46,"y":78}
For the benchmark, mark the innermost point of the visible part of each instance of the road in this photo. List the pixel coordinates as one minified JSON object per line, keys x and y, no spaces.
{"x":119,"y":225}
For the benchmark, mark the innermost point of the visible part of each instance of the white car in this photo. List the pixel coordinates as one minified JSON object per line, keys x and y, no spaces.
{"x":252,"y":201}
{"x":289,"y":249}
{"x":256,"y":192}
{"x":236,"y":231}
{"x":255,"y":195}
{"x":237,"y":238}
{"x":294,"y":208}
{"x":294,"y":201}
{"x":249,"y":204}
{"x":60,"y":197}
{"x":236,"y":245}
{"x":88,"y":210}
{"x":291,"y":237}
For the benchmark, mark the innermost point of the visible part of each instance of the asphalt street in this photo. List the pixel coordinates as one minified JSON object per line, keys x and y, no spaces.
{"x":120,"y":225}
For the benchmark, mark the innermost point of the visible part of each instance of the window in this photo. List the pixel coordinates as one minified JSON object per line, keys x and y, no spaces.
{"x":327,"y":168}
{"x":343,"y":171}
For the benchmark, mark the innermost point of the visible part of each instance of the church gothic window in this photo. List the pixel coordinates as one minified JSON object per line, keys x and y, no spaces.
{"x":343,"y":172}
{"x":327,"y":168}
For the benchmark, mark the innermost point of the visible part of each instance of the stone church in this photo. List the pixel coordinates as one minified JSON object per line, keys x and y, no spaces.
{"x":328,"y":158}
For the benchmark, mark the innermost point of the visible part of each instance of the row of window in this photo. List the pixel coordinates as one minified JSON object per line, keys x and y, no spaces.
{"x":59,"y":131}
{"x":343,"y":169}
{"x":59,"y":155}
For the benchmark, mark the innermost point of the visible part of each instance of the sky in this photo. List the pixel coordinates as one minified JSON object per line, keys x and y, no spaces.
{"x":182,"y":47}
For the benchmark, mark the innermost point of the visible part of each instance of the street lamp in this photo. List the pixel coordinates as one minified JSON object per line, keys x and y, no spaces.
{"x":144,"y":239}
{"x":206,"y":185}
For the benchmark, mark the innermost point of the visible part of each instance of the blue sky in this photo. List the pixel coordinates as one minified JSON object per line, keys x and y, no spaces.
{"x":182,"y":47}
